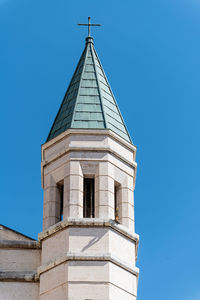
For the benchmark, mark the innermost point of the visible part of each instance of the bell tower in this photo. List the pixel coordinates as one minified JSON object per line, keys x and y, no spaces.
{"x":89,"y":245}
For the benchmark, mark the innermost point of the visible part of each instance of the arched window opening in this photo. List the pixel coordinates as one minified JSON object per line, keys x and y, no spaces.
{"x":88,"y":198}
{"x":60,"y":187}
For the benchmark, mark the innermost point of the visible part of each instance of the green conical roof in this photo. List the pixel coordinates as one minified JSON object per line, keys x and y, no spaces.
{"x":89,"y":101}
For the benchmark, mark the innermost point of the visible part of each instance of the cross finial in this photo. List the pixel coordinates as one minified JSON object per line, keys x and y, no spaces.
{"x":89,"y":25}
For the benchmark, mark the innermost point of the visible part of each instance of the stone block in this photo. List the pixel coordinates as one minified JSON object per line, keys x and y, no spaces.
{"x":88,"y":271}
{"x":53,"y":278}
{"x":74,"y":182}
{"x":19,"y":260}
{"x":122,"y":248}
{"x":65,"y":210}
{"x":120,"y":165}
{"x":52,"y":209}
{"x":128,"y":182}
{"x":59,"y":293}
{"x":66,"y":168}
{"x":88,"y":140}
{"x":75,"y":211}
{"x":49,"y":221}
{"x":84,"y":291}
{"x":105,"y":183}
{"x":19,"y":291}
{"x":123,"y":279}
{"x":73,"y":203}
{"x":56,"y":148}
{"x":118,"y":148}
{"x":119,"y":175}
{"x":49,"y":181}
{"x":105,"y":169}
{"x":105,"y":198}
{"x":88,"y":155}
{"x":89,"y":168}
{"x":129,"y":223}
{"x":88,"y":240}
{"x":51,"y":194}
{"x":76,"y":197}
{"x":117,"y":293}
{"x":55,"y":246}
{"x":57,"y":166}
{"x":75,"y":168}
{"x":127,"y":195}
{"x":105,"y":212}
{"x":126,"y":210}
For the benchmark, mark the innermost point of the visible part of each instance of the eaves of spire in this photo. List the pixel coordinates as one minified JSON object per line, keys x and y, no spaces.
{"x":89,"y":102}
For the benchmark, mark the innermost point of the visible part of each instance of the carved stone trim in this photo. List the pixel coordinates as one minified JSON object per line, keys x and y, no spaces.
{"x":88,"y":222}
{"x":19,"y":244}
{"x":69,"y":256}
{"x":19,"y":276}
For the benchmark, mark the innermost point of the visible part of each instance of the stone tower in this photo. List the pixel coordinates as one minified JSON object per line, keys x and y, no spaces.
{"x":88,"y":244}
{"x":88,"y":247}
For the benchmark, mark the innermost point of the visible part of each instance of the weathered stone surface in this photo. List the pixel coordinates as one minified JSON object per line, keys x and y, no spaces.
{"x":93,"y":222}
{"x":25,"y":260}
{"x":60,"y":293}
{"x":104,"y":257}
{"x":18,"y":276}
{"x":19,"y":291}
{"x":19,"y":244}
{"x":53,"y":278}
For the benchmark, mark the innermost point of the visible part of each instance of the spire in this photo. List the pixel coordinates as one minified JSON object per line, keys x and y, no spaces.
{"x":89,"y":102}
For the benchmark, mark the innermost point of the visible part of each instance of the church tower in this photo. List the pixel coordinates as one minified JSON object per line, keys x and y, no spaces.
{"x":88,"y":244}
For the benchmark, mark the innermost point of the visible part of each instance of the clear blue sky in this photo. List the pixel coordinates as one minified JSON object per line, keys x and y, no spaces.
{"x":150,"y":50}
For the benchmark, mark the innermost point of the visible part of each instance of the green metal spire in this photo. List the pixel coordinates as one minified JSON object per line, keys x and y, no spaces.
{"x":89,"y":101}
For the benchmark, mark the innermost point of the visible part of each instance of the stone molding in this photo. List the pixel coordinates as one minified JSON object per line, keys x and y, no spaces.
{"x":88,"y":222}
{"x":19,"y":276}
{"x":19,"y":244}
{"x":85,"y":160}
{"x":45,"y":163}
{"x":104,"y":282}
{"x":105,"y":149}
{"x":106,"y":132}
{"x":69,"y":256}
{"x":88,"y":149}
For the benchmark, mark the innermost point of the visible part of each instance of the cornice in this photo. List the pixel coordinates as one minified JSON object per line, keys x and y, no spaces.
{"x":19,"y":244}
{"x":93,"y":222}
{"x":107,"y":132}
{"x":69,"y":256}
{"x":19,"y":276}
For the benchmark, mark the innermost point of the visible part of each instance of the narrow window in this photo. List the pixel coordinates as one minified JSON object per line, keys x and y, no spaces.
{"x":116,"y":199}
{"x":88,"y":198}
{"x":61,"y":199}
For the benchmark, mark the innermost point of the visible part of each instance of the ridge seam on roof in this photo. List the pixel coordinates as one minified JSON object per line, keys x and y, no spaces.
{"x":113,"y":96}
{"x":80,"y":81}
{"x":65,"y":96}
{"x":100,"y":95}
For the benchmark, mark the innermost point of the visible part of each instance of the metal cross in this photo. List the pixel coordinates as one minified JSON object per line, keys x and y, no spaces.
{"x":89,"y":25}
